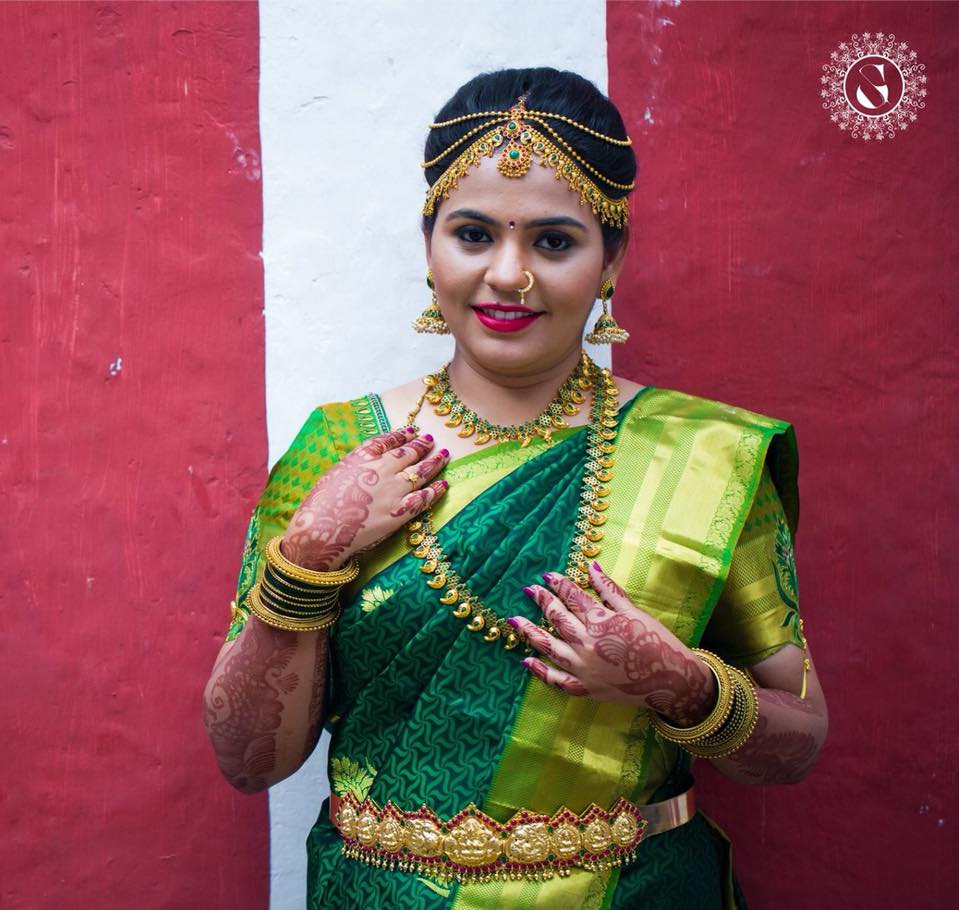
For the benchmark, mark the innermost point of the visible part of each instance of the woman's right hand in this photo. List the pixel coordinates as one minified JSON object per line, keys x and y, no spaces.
{"x":364,"y":498}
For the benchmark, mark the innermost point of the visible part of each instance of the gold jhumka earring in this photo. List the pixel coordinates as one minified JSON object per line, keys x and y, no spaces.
{"x":607,"y":330}
{"x":431,"y":320}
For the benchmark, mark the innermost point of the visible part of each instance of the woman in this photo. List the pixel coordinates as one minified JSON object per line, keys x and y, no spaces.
{"x":504,"y":737}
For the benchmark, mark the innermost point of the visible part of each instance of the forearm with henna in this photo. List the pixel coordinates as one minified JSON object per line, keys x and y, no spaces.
{"x":264,"y":696}
{"x":784,"y":746}
{"x":324,"y":527}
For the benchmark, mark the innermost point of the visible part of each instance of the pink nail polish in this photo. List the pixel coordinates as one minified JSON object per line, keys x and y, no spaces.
{"x":528,"y":591}
{"x":513,"y":622}
{"x":547,"y":576}
{"x":444,"y":452}
{"x":597,"y":566}
{"x":428,"y":437}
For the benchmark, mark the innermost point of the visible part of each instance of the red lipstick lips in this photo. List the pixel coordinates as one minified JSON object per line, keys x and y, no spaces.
{"x":505,"y":317}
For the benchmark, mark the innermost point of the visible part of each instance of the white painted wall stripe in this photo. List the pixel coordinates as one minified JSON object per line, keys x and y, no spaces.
{"x":347,"y":90}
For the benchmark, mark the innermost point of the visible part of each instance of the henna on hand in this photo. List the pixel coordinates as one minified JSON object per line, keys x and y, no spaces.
{"x":353,"y":506}
{"x":415,"y":502}
{"x":558,"y":678}
{"x":376,"y":446}
{"x":558,"y":616}
{"x":428,"y":468}
{"x":618,"y":652}
{"x":414,"y":449}
{"x":325,"y":526}
{"x":244,"y":703}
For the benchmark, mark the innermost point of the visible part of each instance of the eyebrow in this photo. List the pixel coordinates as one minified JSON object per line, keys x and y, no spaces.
{"x":553,"y":221}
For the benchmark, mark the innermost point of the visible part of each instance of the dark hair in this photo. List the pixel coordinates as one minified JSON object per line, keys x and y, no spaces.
{"x":546,"y":89}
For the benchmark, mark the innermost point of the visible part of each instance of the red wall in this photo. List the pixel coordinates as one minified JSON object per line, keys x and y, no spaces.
{"x":130,"y":224}
{"x":784,"y":266}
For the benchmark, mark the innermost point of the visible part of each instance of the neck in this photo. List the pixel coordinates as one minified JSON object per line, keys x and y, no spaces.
{"x":509,"y":398}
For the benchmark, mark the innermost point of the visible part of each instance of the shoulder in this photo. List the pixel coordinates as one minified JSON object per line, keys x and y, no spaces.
{"x":676,"y":403}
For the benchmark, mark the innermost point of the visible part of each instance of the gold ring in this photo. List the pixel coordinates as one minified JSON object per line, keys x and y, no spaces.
{"x":413,"y":478}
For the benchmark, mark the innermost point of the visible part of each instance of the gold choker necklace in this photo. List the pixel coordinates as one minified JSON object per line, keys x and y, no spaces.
{"x":597,"y":473}
{"x":446,"y":403}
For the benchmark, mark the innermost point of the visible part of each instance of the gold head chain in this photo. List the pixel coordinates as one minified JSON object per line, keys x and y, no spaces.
{"x":522,"y":141}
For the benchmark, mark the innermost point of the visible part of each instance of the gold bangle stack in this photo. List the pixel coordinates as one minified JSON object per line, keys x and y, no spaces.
{"x":297,"y":599}
{"x":729,"y":724}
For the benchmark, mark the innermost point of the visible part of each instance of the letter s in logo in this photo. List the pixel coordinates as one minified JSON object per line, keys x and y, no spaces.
{"x":879,"y":86}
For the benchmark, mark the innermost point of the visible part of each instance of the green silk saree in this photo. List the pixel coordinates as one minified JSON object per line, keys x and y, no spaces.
{"x":424,"y":712}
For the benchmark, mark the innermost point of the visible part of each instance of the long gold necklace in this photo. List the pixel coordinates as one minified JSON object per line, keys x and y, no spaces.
{"x":597,"y":473}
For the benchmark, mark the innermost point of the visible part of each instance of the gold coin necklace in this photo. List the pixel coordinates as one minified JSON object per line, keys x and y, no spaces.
{"x":597,"y":473}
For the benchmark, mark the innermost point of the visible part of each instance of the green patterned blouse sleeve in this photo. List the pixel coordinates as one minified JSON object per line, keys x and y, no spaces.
{"x":328,"y":434}
{"x":758,"y":610}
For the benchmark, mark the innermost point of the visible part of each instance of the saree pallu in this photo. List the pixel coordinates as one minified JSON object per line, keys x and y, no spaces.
{"x":425,"y":712}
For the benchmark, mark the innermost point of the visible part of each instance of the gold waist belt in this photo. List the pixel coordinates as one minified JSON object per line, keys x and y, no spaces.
{"x":471,"y":846}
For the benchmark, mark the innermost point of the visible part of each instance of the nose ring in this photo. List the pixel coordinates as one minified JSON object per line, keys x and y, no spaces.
{"x":529,"y":287}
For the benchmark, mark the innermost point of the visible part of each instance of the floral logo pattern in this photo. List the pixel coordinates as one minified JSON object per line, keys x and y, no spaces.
{"x":873,"y":86}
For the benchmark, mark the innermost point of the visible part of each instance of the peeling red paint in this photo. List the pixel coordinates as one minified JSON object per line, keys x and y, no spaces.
{"x":132,"y":445}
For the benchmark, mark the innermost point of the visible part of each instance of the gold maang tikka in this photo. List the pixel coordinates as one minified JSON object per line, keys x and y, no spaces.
{"x":522,"y":141}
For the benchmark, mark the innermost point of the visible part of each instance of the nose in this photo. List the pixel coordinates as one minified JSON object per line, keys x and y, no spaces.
{"x":504,"y":273}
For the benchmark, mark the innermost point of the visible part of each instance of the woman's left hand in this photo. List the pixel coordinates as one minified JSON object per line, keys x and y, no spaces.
{"x":614,"y":651}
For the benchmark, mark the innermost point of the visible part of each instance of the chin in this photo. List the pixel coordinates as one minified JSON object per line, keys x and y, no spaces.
{"x":515,"y":354}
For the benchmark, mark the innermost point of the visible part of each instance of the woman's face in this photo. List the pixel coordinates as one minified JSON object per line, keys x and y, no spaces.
{"x":491,"y":229}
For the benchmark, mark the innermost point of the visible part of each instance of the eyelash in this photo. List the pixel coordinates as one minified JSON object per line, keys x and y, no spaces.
{"x":462,"y":232}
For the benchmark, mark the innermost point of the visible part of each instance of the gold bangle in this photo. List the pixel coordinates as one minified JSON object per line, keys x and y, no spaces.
{"x":716,"y":718}
{"x":310,"y":576}
{"x":740,"y":726}
{"x":266,"y":615}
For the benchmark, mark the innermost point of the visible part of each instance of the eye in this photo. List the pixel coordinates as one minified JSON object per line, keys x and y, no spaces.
{"x":472,"y":234}
{"x":554,"y":242}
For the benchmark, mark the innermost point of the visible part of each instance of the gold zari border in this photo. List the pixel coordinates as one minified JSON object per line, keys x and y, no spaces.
{"x":471,"y":846}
